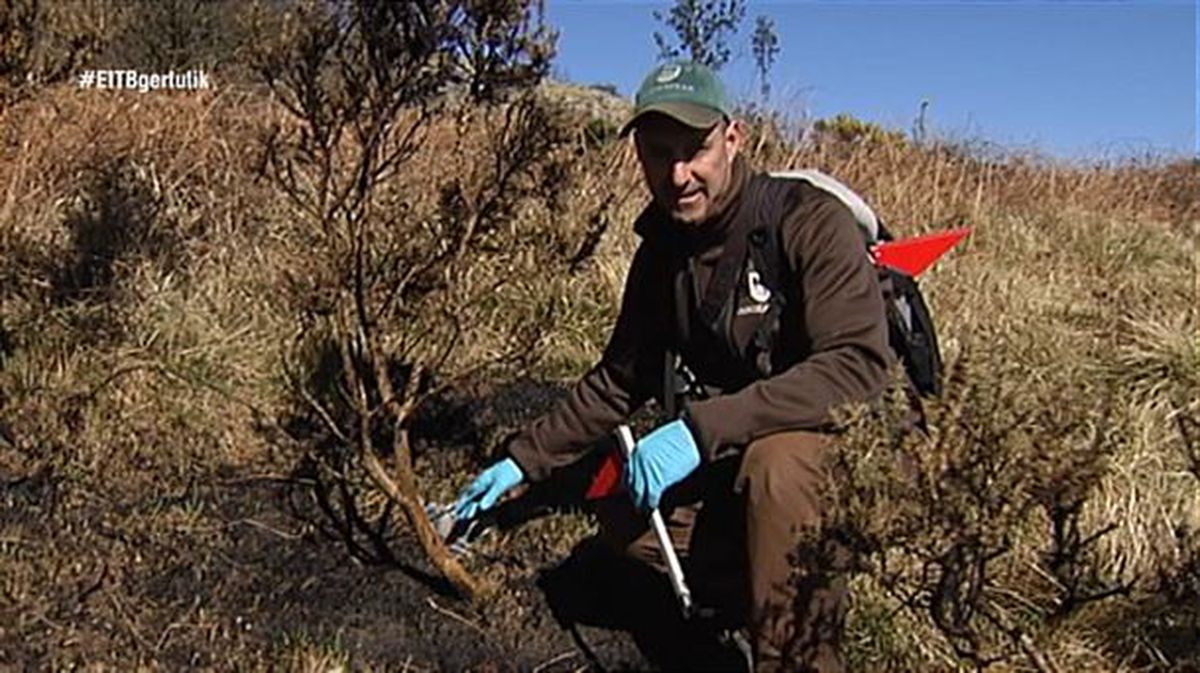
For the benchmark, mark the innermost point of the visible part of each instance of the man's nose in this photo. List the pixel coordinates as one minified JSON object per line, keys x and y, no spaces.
{"x":681,"y":173}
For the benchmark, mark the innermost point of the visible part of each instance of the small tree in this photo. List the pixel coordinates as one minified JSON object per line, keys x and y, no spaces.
{"x":977,"y":525}
{"x":702,"y":29}
{"x":765,"y":43}
{"x":387,"y":290}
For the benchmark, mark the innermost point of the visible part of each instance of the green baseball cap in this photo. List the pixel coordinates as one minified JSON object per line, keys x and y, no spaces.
{"x":683,"y":90}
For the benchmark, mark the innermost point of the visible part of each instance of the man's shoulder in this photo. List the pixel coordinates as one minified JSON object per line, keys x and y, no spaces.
{"x":795,"y":202}
{"x":651,"y":256}
{"x":798,"y":187}
{"x":809,"y":194}
{"x":649,"y":225}
{"x":810,"y":219}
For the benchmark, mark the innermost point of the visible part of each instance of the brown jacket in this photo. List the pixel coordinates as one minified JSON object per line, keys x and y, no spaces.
{"x":832,"y":347}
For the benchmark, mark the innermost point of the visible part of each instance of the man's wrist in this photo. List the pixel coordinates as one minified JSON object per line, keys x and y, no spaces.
{"x":514,"y":469}
{"x":520,"y":449}
{"x":687,"y":416}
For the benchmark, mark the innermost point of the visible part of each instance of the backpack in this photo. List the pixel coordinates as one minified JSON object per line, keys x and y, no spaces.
{"x":911,"y":332}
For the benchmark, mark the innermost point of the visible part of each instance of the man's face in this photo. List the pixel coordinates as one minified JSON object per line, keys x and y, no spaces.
{"x":687,"y":169}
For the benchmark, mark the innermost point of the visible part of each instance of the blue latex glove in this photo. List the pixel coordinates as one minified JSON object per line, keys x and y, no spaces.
{"x":487,"y":488}
{"x":662,"y":459}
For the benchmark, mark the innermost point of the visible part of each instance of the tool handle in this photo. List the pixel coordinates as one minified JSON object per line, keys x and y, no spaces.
{"x":674,"y":569}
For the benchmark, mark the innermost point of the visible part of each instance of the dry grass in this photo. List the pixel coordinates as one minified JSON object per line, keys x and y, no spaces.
{"x":152,"y":283}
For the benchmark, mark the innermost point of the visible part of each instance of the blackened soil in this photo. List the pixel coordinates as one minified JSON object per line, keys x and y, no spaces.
{"x":238,"y":567}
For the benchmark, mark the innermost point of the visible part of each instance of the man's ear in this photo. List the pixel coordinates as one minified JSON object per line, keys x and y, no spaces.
{"x":735,"y":136}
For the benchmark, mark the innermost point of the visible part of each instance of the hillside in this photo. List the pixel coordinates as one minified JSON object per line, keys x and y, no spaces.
{"x":170,"y":499}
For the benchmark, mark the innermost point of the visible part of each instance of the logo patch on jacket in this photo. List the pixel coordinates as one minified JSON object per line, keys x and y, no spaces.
{"x":758,"y":293}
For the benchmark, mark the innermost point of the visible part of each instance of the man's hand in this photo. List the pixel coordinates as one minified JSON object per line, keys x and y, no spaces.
{"x":487,"y":488}
{"x":662,"y":459}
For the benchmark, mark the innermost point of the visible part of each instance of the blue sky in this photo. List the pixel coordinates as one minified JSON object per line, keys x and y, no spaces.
{"x":1078,"y":80}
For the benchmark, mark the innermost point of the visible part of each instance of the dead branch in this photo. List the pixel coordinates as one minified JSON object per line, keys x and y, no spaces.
{"x":403,"y":489}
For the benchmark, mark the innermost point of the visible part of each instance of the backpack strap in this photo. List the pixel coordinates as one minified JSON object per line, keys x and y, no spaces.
{"x":759,"y":240}
{"x":670,"y":384}
{"x":680,"y":293}
{"x":765,"y":242}
{"x":729,"y":269}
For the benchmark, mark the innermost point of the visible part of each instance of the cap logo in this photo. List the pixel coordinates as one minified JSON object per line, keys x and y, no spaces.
{"x":668,"y":73}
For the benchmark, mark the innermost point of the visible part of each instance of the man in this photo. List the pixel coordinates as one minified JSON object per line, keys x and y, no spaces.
{"x":739,"y":473}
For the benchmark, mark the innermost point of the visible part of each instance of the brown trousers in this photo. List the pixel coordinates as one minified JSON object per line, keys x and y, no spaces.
{"x":735,"y":524}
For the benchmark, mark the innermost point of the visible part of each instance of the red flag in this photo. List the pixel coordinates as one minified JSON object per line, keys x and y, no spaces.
{"x":913,"y":255}
{"x":608,"y":478}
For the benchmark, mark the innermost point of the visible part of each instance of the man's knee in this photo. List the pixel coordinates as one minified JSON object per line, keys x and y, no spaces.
{"x":785,"y":471}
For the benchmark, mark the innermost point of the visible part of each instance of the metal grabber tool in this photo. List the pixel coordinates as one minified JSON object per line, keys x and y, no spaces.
{"x":674,"y":570}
